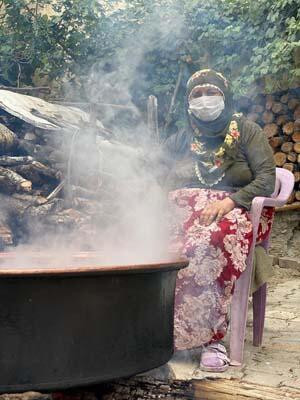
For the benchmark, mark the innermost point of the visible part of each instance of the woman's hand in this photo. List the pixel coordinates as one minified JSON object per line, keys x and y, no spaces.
{"x":216,"y":211}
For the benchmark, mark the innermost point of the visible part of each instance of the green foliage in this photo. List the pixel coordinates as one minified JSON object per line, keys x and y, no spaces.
{"x":146,"y":42}
{"x":65,"y":43}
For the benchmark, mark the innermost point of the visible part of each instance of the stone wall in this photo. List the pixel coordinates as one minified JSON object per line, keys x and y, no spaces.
{"x":285,"y":239}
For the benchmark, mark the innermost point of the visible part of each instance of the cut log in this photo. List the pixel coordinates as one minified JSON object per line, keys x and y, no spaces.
{"x":46,"y":171}
{"x":6,"y":235}
{"x":292,"y":157}
{"x":280,"y":159}
{"x":68,"y":217}
{"x":292,"y":197}
{"x":289,"y":166}
{"x":297,"y":195}
{"x":278,"y":108}
{"x":269,"y":102}
{"x":257,"y":109}
{"x":10,"y":181}
{"x":33,"y":200}
{"x":29,"y":172}
{"x":275,"y":141}
{"x":293,"y":103}
{"x":289,"y":207}
{"x":8,"y":161}
{"x":253,"y":117}
{"x":288,"y":128}
{"x":296,"y":137}
{"x":271,"y":130}
{"x":298,"y":159}
{"x":7,"y":139}
{"x":44,"y":209}
{"x":282,"y":119}
{"x":78,"y":191}
{"x":14,"y":207}
{"x":287,"y":147}
{"x":267,"y":117}
{"x":297,"y":113}
{"x":37,"y":171}
{"x":259,"y":99}
{"x":40,"y":153}
{"x":297,"y":125}
{"x":297,"y":148}
{"x":297,"y":176}
{"x":284,"y":99}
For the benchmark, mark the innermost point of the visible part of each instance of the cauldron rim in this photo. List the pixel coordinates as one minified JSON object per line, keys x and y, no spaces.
{"x":93,"y":269}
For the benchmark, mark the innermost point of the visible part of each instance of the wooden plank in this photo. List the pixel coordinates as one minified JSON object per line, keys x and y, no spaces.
{"x":226,"y":389}
{"x":289,"y":207}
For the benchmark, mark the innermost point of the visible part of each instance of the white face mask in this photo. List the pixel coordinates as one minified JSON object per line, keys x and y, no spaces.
{"x":207,"y":108}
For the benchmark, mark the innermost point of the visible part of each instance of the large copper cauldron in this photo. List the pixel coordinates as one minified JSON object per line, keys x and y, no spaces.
{"x":84,"y":325}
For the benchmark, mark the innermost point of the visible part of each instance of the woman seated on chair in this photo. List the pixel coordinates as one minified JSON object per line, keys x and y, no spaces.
{"x":216,"y":166}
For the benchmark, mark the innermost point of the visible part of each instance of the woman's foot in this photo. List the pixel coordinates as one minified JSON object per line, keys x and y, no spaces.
{"x":214,"y":358}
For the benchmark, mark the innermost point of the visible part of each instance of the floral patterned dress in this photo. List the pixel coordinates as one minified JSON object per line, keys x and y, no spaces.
{"x":217,"y":255}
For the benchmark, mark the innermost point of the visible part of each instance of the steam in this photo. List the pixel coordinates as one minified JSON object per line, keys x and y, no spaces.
{"x":131,"y":223}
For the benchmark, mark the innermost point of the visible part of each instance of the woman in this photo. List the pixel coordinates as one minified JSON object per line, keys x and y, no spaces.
{"x":216,"y":167}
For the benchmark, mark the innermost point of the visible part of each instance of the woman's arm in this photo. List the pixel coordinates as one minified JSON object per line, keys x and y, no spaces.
{"x":260,"y":158}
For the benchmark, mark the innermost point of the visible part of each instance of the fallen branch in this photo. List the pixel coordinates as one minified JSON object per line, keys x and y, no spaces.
{"x":8,"y":161}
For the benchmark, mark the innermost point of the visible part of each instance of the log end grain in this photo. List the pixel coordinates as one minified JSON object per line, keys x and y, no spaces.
{"x":280,"y":159}
{"x":271,"y":130}
{"x":288,"y":128}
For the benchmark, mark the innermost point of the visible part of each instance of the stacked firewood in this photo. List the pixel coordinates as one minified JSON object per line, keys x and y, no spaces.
{"x":279,"y":116}
{"x":50,"y":183}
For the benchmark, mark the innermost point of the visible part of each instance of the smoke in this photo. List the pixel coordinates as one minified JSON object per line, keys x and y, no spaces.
{"x":130,"y":224}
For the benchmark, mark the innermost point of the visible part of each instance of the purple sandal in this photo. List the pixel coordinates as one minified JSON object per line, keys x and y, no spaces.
{"x":214,"y":358}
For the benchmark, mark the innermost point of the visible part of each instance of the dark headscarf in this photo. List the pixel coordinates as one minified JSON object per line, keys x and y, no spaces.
{"x":219,"y":126}
{"x":211,"y":134}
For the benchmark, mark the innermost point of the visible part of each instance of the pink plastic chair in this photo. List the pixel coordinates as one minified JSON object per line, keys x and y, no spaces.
{"x":239,"y":307}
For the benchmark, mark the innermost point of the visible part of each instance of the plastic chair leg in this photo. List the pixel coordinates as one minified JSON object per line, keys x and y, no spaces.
{"x":259,"y":310}
{"x":239,"y":312}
